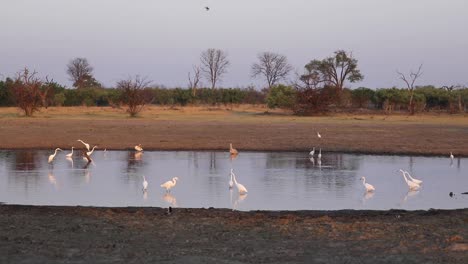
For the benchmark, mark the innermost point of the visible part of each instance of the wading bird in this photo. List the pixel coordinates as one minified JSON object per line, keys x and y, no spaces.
{"x":312,"y":152}
{"x":232,"y":150}
{"x":91,"y":152}
{"x":69,"y":155}
{"x":320,"y":154}
{"x":369,"y":187}
{"x":418,"y":182}
{"x":170,"y":184}
{"x":411,"y":185}
{"x":138,"y":147}
{"x":51,"y":157}
{"x":145,"y":184}
{"x":451,"y":156}
{"x":240,"y":187}
{"x":86,"y":144}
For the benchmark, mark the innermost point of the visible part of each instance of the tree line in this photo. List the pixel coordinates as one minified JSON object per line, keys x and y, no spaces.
{"x":320,"y":88}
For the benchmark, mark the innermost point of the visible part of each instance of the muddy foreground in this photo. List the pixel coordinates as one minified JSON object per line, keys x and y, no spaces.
{"x":35,"y":234}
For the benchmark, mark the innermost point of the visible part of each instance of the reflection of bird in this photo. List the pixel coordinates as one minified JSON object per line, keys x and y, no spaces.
{"x":86,"y":144}
{"x":207,"y":8}
{"x":410,"y":193}
{"x":138,"y":147}
{"x":418,"y":182}
{"x":170,"y":184}
{"x":320,"y":154}
{"x":368,"y":195}
{"x":52,"y":179}
{"x":91,"y":152}
{"x":239,"y":199}
{"x":369,"y":187}
{"x":51,"y":157}
{"x":312,"y":152}
{"x":312,"y":160}
{"x":145,"y":184}
{"x":232,"y":150}
{"x":318,"y":135}
{"x":138,"y":155}
{"x":240,"y":187}
{"x":230,"y":181}
{"x":69,"y":155}
{"x":170,"y":199}
{"x":412,"y":185}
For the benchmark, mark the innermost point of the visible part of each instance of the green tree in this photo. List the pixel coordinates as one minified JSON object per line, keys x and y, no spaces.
{"x":362,"y":96}
{"x":281,"y":96}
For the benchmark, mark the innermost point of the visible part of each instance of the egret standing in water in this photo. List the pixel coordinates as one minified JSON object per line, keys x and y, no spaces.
{"x":320,"y":154}
{"x":91,"y":152}
{"x":240,"y":187}
{"x":312,"y":152}
{"x":451,"y":156}
{"x":51,"y":157}
{"x":69,"y":155}
{"x":412,"y":185}
{"x":369,"y":187}
{"x":170,"y":184}
{"x":85,"y":144}
{"x":145,"y":184}
{"x":138,"y":147}
{"x":418,"y":182}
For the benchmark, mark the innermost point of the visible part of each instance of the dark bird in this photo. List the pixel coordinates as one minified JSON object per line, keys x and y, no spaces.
{"x":207,"y":8}
{"x":451,"y":194}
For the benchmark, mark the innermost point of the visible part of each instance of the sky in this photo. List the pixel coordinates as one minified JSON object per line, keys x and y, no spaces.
{"x":162,"y":40}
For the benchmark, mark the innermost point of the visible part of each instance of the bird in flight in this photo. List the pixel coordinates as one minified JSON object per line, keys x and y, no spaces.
{"x":207,"y":8}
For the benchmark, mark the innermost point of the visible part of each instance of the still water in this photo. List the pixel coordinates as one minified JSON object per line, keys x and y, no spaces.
{"x":275,"y":181}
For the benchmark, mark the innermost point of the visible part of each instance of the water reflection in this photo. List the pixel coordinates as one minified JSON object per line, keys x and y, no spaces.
{"x":275,"y":180}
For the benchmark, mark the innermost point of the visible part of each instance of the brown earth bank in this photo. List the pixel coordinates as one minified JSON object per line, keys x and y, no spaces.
{"x":45,"y":234}
{"x":248,"y":130}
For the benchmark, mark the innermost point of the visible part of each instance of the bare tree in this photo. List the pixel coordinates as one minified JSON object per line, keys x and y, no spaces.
{"x":274,"y":67}
{"x":214,"y":64}
{"x":81,"y":73}
{"x":195,"y":82}
{"x":26,"y":90}
{"x":409,"y":81}
{"x":135,"y":94}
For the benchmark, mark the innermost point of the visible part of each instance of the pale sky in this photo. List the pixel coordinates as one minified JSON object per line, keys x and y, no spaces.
{"x":163,"y":39}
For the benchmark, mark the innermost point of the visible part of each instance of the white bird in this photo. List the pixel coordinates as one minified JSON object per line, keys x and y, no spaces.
{"x":369,"y":187}
{"x":145,"y":184}
{"x":231,"y":183}
{"x":240,"y":187}
{"x":451,"y":156}
{"x":69,"y":155}
{"x":232,"y":150}
{"x":318,"y":135}
{"x":86,"y":144}
{"x":51,"y":157}
{"x":170,"y":184}
{"x":418,"y":182}
{"x":91,"y":152}
{"x":320,"y":154}
{"x":312,"y":152}
{"x":412,"y":185}
{"x":138,"y":147}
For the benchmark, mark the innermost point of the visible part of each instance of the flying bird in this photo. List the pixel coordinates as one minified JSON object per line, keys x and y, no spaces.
{"x":318,"y":135}
{"x":86,"y":144}
{"x":207,"y":8}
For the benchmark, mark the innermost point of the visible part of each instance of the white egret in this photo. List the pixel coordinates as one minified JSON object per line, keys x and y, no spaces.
{"x":240,"y":187}
{"x":138,"y":147}
{"x":231,"y":183}
{"x":145,"y":184}
{"x":412,"y":185}
{"x":320,"y":154}
{"x":91,"y":152}
{"x":69,"y":155}
{"x":413,"y":179}
{"x":51,"y":157}
{"x":369,"y":187}
{"x":86,"y":144}
{"x":318,"y":135}
{"x":232,"y":150}
{"x":451,"y":156}
{"x":170,"y":184}
{"x":312,"y":152}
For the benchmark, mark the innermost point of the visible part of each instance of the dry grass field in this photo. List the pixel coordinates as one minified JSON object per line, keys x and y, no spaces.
{"x":249,"y":128}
